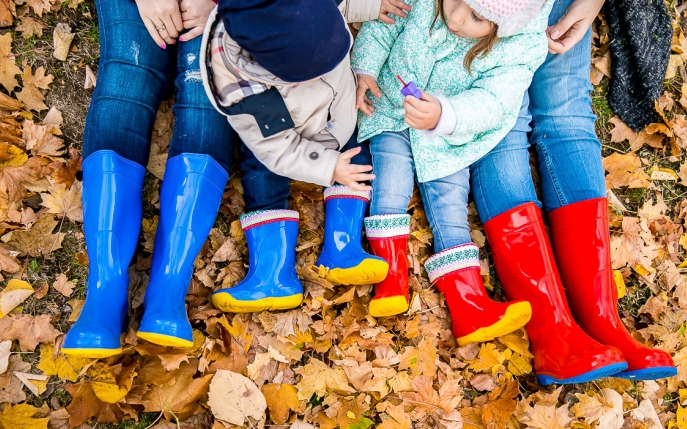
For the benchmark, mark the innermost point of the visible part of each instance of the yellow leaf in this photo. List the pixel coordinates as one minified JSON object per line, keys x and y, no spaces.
{"x":65,"y":367}
{"x":21,"y":416}
{"x":517,"y":342}
{"x":519,"y":365}
{"x":280,"y":398}
{"x":64,"y":202}
{"x":14,"y":294}
{"x":13,"y":156}
{"x":681,"y":417}
{"x":639,"y":269}
{"x":104,"y":383}
{"x":487,"y":359}
{"x":8,"y":69}
{"x":619,"y":283}
{"x":663,"y":174}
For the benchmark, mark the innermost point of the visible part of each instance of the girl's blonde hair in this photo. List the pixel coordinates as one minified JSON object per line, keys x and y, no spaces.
{"x":481,"y":48}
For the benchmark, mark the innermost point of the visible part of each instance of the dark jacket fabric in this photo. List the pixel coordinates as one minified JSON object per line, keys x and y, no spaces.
{"x":641,"y":34}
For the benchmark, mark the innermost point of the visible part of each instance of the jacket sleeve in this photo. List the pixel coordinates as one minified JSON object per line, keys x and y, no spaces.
{"x":287,"y":153}
{"x":373,"y":45}
{"x":360,"y":10}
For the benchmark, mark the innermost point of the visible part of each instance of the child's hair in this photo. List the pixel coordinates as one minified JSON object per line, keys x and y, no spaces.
{"x":481,"y":48}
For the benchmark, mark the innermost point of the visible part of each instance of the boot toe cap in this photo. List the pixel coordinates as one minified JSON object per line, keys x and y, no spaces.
{"x":166,"y":330}
{"x":91,"y":341}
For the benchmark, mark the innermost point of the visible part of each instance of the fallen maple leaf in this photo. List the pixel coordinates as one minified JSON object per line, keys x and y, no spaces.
{"x":234,"y":398}
{"x":625,"y":170}
{"x":30,"y":27}
{"x":8,"y":69}
{"x":64,"y":367}
{"x":31,"y":95}
{"x":280,"y":399}
{"x":62,"y":40}
{"x":85,"y":404}
{"x":22,"y":416}
{"x":64,"y":202}
{"x":29,"y":330}
{"x":39,"y":240}
{"x":40,"y":6}
{"x":14,"y":294}
{"x":63,"y":285}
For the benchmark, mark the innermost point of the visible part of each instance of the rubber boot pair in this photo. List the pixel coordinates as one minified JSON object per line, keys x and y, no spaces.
{"x":272,"y":282}
{"x":476,"y":318}
{"x":191,"y":193}
{"x":523,"y":257}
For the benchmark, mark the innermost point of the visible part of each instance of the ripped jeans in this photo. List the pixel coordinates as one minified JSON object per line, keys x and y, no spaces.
{"x":133,"y":76}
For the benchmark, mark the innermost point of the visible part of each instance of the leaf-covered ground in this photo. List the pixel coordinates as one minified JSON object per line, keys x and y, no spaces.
{"x":328,"y":363}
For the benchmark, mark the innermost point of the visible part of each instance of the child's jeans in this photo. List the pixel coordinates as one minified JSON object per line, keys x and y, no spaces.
{"x":557,"y":110}
{"x":445,"y":200}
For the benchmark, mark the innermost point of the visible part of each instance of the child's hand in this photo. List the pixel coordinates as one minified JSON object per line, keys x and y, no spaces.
{"x":363,"y":103}
{"x":348,"y":174}
{"x":422,"y":114}
{"x":392,"y":7}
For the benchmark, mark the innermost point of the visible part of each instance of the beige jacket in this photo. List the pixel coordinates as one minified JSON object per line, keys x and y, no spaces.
{"x":296,"y":130}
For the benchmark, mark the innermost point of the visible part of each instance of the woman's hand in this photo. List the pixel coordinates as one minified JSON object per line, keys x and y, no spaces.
{"x":572,"y":26}
{"x":162,"y":18}
{"x":195,"y":14}
{"x":363,"y":103}
{"x":393,"y":7}
{"x":422,"y":114}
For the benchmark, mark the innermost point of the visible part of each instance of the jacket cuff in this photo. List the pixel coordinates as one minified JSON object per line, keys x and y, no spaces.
{"x":447,"y":120}
{"x":361,"y":72}
{"x":325,"y":170}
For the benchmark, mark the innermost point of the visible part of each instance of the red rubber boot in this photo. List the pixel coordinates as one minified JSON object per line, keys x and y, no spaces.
{"x":563,"y":353}
{"x":476,"y":318}
{"x":581,"y":242}
{"x":388,"y":238}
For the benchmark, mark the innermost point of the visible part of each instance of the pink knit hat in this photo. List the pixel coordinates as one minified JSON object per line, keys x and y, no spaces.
{"x":510,"y":15}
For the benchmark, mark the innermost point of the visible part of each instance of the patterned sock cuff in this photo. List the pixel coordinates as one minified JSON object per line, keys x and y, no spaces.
{"x":452,"y":259}
{"x":340,"y":191}
{"x":387,"y":226}
{"x":261,"y":217}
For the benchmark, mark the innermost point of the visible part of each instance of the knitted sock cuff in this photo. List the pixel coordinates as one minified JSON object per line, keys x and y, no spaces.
{"x":262,"y":217}
{"x":452,"y":259}
{"x":340,"y":191}
{"x":387,"y":226}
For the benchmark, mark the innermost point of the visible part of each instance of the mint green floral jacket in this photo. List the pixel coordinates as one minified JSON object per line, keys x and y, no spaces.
{"x":486,"y":102}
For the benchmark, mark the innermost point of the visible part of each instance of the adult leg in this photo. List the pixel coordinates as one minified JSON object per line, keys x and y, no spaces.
{"x":455,"y":269}
{"x":196,"y":173}
{"x":132,"y":76}
{"x":574,"y":194}
{"x":342,"y":255}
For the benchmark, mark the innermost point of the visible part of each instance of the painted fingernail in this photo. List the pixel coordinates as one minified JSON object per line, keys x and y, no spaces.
{"x":181,"y":39}
{"x":162,"y":45}
{"x":555,"y":34}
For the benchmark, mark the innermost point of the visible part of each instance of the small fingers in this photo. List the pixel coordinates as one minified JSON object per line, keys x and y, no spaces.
{"x":355,"y":186}
{"x":346,"y":156}
{"x":386,"y":18}
{"x":398,"y":12}
{"x":359,"y":177}
{"x":360,"y":168}
{"x":195,"y":32}
{"x":401,"y":5}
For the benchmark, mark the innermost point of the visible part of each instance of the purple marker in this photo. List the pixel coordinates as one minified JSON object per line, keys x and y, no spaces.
{"x":410,"y":89}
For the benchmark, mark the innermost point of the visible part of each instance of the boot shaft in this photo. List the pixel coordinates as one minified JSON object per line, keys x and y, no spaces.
{"x":271,"y":236}
{"x":344,"y":213}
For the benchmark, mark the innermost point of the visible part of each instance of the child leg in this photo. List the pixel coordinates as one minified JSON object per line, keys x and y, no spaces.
{"x":343,"y":259}
{"x":388,"y":226}
{"x":455,"y":269}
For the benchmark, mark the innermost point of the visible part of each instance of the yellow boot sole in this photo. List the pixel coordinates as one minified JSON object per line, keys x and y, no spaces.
{"x":389,"y":306}
{"x":164,"y":340}
{"x":228,"y":304}
{"x":368,"y":272}
{"x":92,"y":353}
{"x":517,"y":315}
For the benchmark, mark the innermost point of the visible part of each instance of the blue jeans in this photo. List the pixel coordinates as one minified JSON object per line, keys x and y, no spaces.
{"x":445,"y":200}
{"x":133,"y":75}
{"x":557,"y":111}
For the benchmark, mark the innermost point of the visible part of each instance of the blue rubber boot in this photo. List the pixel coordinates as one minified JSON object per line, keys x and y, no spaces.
{"x":112,"y":221}
{"x":190,"y":197}
{"x":343,"y":259}
{"x":272,"y":282}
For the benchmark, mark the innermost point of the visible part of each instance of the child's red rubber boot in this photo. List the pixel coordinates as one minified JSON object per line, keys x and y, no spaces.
{"x":388,"y":238}
{"x":476,"y":318}
{"x":563,"y":352}
{"x":581,"y":242}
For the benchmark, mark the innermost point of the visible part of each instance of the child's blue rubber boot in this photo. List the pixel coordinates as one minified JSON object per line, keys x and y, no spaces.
{"x":112,"y":221}
{"x":272,"y":282}
{"x":190,"y":197}
{"x":343,"y":258}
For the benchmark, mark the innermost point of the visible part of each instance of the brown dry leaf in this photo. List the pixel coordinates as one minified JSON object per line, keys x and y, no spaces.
{"x":41,"y":141}
{"x":8,"y":69}
{"x":625,"y":170}
{"x":5,"y":347}
{"x":63,"y":202}
{"x":104,"y":384}
{"x":9,"y":104}
{"x":63,"y":285}
{"x":30,"y":27}
{"x":280,"y":399}
{"x":22,"y":416}
{"x":7,"y":12}
{"x":64,"y":367}
{"x":54,"y":118}
{"x":321,"y":379}
{"x":622,"y":132}
{"x":85,"y":404}
{"x":29,"y":330}
{"x":14,"y":294}
{"x":31,"y":95}
{"x":8,"y":263}
{"x":39,"y":240}
{"x":489,"y":358}
{"x":234,"y":398}
{"x":179,"y":396}
{"x":62,"y":38}
{"x":91,"y":79}
{"x":40,"y":6}
{"x":65,"y":173}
